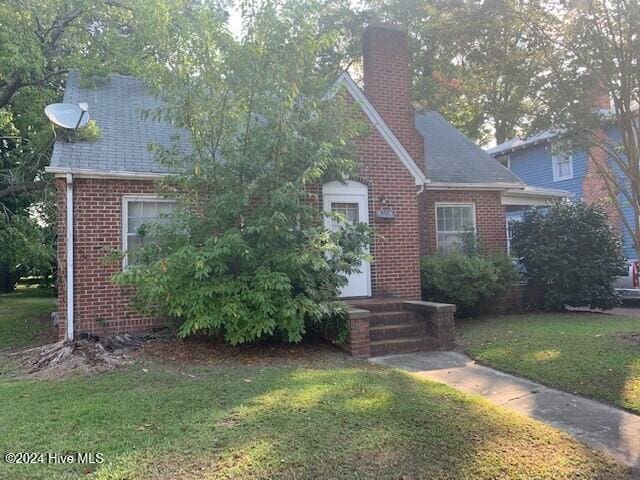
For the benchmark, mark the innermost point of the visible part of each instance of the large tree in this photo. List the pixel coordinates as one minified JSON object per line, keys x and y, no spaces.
{"x":247,"y":254}
{"x":591,"y":93}
{"x":40,"y":41}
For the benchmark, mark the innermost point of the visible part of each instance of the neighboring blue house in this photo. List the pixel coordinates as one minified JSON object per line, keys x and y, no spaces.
{"x":534,"y":162}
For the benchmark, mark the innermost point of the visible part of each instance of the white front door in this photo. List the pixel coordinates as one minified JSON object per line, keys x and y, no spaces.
{"x":351,"y":201}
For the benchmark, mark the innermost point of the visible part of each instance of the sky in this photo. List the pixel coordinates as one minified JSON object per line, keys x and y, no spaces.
{"x":235,"y":21}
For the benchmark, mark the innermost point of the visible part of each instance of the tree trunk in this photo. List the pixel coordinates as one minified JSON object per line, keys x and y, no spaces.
{"x":8,"y":279}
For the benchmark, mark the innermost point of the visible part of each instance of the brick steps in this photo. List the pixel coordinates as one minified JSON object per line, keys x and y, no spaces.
{"x":391,"y":332}
{"x":377,"y":305}
{"x":385,"y":326}
{"x":395,"y":330}
{"x":403,"y":345}
{"x":385,"y":319}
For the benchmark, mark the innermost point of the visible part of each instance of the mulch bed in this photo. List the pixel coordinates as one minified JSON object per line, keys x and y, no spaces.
{"x":216,"y":352}
{"x":91,"y":355}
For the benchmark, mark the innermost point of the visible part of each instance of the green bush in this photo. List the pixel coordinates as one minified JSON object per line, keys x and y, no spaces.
{"x":333,"y":327}
{"x":570,"y":250}
{"x":91,"y":132}
{"x":468,"y":281}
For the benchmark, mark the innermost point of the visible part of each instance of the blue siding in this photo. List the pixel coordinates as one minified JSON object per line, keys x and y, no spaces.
{"x":627,"y":241}
{"x":533,"y":165}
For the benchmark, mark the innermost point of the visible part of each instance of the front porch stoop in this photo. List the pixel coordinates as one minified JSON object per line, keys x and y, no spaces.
{"x":384,"y":326}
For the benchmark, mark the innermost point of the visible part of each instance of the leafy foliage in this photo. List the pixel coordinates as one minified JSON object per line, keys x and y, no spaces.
{"x":91,"y":132}
{"x":475,"y":62}
{"x":470,"y":281}
{"x":572,"y":253}
{"x":247,"y":255}
{"x":24,"y":250}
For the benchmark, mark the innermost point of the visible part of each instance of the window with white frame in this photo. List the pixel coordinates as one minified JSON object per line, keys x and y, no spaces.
{"x":453,"y":221}
{"x":505,"y":160}
{"x":138,"y":212}
{"x":562,"y":167}
{"x":510,"y":223}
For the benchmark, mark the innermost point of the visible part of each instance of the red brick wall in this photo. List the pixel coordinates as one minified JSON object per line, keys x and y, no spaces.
{"x":396,"y":267}
{"x":61,"y":201}
{"x":100,"y":307}
{"x":490,"y":217}
{"x":594,"y":186}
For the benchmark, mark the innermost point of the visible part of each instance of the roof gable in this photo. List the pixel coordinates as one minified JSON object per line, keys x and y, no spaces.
{"x":376,"y":119}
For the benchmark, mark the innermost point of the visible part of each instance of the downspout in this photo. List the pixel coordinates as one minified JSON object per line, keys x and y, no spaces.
{"x":69,"y":333}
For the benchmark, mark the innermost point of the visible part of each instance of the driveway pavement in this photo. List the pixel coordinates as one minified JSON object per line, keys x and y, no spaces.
{"x":600,"y":426}
{"x":630,"y":307}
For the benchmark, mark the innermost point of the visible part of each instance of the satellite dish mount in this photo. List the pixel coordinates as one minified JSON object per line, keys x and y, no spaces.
{"x":69,"y":116}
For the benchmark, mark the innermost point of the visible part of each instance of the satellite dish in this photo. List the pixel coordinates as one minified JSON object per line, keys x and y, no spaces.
{"x":68,"y":115}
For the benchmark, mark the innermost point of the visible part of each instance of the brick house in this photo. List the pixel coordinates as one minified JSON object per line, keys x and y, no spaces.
{"x":421,"y":184}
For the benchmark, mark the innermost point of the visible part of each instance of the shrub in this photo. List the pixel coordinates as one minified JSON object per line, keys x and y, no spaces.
{"x":570,"y":250}
{"x":468,"y":281}
{"x":91,"y":132}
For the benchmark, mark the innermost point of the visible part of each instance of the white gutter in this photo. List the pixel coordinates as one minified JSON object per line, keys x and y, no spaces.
{"x":116,"y":174}
{"x":70,"y":319}
{"x":473,"y":186}
{"x":533,"y":197}
{"x":540,"y":193}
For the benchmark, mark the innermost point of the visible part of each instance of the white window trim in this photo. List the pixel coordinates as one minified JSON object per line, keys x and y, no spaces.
{"x":124,"y":217}
{"x":453,"y":204}
{"x":508,"y":156}
{"x":507,"y":223}
{"x":554,"y":168}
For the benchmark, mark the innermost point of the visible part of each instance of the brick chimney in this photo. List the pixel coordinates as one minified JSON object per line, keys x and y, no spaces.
{"x":387,"y":83}
{"x":600,"y":99}
{"x":594,"y":185}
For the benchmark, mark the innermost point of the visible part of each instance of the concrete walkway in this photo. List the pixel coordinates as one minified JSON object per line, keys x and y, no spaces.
{"x":606,"y":428}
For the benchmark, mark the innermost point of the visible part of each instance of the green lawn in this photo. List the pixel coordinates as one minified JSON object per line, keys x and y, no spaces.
{"x":590,"y":354}
{"x":24,"y":317}
{"x":294,"y":412}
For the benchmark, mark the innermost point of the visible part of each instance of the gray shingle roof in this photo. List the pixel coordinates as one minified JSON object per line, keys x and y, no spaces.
{"x":451,"y":157}
{"x":117,"y":108}
{"x":118,"y":104}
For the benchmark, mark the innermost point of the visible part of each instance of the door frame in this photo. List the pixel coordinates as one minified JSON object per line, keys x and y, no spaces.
{"x":350,"y":191}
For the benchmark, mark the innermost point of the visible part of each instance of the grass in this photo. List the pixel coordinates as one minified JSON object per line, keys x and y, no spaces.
{"x":589,"y":354}
{"x":320,"y":416}
{"x":342,"y":419}
{"x":24,"y":317}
